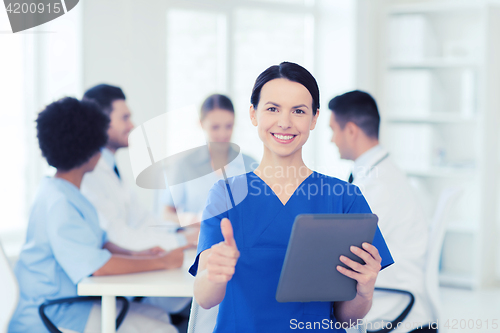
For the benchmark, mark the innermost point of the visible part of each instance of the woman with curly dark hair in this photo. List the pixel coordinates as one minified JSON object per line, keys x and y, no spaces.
{"x":64,"y":242}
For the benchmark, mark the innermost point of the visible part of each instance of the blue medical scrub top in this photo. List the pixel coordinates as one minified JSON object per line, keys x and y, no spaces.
{"x":262,"y":226}
{"x":63,"y":245}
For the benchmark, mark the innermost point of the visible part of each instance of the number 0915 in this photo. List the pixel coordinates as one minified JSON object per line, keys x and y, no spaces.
{"x":24,"y":8}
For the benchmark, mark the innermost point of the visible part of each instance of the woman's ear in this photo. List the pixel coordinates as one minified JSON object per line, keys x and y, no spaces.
{"x":314,"y":120}
{"x":253,"y":115}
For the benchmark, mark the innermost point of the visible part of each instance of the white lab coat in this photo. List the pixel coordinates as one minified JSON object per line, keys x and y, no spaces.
{"x":120,"y":214}
{"x":405,"y":229}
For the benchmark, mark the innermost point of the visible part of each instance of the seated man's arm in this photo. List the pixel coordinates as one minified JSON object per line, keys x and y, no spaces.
{"x":116,"y":249}
{"x":120,"y":263}
{"x":170,"y":214}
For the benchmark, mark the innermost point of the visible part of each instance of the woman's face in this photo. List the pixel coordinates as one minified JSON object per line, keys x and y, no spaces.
{"x":218,"y":125}
{"x":284,"y":116}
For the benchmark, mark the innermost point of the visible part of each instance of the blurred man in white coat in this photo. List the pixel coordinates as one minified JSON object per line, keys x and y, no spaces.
{"x":355,"y":122}
{"x":126,"y":222}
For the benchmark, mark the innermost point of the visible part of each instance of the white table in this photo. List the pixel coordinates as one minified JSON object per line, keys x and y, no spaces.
{"x":166,"y":283}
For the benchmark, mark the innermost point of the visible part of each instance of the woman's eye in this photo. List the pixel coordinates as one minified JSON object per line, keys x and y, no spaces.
{"x":272,"y":109}
{"x":299,"y":111}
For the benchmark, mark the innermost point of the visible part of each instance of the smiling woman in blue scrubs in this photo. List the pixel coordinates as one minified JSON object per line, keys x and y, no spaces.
{"x":242,"y":247}
{"x":64,"y":242}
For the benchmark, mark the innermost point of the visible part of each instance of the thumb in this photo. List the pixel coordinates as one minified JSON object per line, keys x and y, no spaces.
{"x":227,"y":232}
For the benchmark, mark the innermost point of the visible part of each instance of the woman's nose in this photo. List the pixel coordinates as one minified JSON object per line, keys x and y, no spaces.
{"x":284,"y":120}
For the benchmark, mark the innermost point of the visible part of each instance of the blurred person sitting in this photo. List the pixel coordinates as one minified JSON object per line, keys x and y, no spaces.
{"x":186,"y":204}
{"x":64,"y":241}
{"x":217,"y":121}
{"x":121,"y":215}
{"x":355,"y":122}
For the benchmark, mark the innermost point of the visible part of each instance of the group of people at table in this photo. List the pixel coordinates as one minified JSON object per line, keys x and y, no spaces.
{"x":85,"y":220}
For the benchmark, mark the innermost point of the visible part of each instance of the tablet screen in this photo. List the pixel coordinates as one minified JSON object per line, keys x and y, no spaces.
{"x":316,"y":243}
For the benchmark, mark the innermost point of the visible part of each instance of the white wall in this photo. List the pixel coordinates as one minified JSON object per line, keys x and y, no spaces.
{"x":125,"y":44}
{"x":480,"y":240}
{"x":39,"y":66}
{"x":335,"y":71}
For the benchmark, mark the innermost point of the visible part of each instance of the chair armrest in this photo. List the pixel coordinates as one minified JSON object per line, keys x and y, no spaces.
{"x":403,"y":315}
{"x":53,"y":329}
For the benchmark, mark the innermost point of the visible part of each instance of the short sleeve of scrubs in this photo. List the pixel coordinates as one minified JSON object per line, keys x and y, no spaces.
{"x":77,"y":247}
{"x":359,"y":205}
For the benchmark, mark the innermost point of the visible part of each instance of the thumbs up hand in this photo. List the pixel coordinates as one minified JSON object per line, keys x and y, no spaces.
{"x":221,"y":261}
{"x":227,"y":231}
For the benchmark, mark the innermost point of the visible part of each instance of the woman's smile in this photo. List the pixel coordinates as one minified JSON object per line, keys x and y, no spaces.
{"x":283,"y":138}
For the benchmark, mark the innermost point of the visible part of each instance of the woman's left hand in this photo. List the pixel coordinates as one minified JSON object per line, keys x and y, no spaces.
{"x":366,"y":274}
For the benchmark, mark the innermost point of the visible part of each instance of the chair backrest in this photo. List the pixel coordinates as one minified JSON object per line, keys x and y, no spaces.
{"x":437,"y":230}
{"x":9,"y":291}
{"x":361,"y":328}
{"x":201,"y":320}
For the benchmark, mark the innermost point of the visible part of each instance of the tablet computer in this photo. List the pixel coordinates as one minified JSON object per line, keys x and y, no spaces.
{"x":309,"y":272}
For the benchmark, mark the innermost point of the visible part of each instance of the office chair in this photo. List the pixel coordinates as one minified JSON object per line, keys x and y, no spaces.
{"x":202,"y":320}
{"x":437,"y":230}
{"x":53,"y":329}
{"x":9,"y":290}
{"x":361,"y":328}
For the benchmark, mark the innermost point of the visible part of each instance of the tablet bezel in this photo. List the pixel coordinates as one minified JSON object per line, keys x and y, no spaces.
{"x":316,"y":242}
